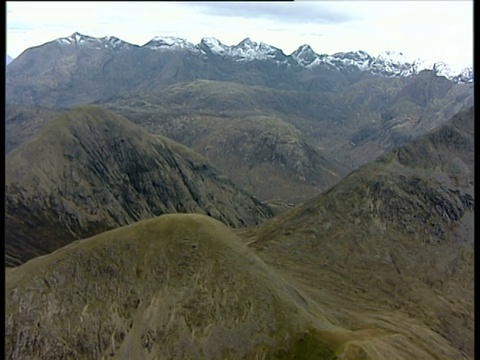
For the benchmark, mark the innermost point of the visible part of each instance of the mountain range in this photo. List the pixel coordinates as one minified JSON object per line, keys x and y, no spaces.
{"x":181,"y":201}
{"x":378,"y":267}
{"x":78,"y":61}
{"x":305,"y":127}
{"x":386,"y":63}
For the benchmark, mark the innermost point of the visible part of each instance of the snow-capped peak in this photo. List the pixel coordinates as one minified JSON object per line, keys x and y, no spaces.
{"x":391,"y":57}
{"x":75,"y":38}
{"x":387,"y":63}
{"x":392,"y":63}
{"x":465,"y":75}
{"x":442,"y":69}
{"x":247,"y":42}
{"x":114,"y":43}
{"x":248,"y":50}
{"x":304,"y":55}
{"x":215,"y":45}
{"x":168,"y":43}
{"x":109,"y":42}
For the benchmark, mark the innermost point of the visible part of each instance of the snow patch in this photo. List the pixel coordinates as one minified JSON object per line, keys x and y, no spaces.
{"x":169,"y":43}
{"x":215,"y":45}
{"x":387,"y":63}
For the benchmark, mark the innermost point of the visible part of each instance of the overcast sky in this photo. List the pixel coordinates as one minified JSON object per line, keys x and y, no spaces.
{"x":430,"y":30}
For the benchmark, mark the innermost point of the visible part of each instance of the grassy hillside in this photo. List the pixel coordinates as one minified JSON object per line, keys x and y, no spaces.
{"x":89,"y":170}
{"x":326,"y":134}
{"x":179,"y":286}
{"x":392,"y":241}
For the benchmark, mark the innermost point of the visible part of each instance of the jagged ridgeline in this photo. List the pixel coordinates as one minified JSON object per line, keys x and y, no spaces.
{"x":81,"y":69}
{"x":89,"y":170}
{"x":282,"y":127}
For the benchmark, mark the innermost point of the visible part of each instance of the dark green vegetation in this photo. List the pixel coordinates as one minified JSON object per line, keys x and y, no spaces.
{"x":89,"y":170}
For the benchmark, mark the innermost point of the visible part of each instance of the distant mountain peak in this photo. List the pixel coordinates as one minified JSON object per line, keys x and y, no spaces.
{"x":248,"y":50}
{"x":110,"y":42}
{"x":304,"y":55}
{"x":211,"y":40}
{"x":75,"y":38}
{"x":214,"y":45}
{"x":386,"y":63}
{"x":392,"y":56}
{"x":168,"y":43}
{"x":246,"y":41}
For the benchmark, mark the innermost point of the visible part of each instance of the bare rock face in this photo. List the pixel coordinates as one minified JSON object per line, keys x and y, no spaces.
{"x":89,"y":171}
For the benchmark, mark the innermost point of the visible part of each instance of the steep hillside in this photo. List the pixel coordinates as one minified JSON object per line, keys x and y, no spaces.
{"x":392,"y":241}
{"x":89,"y":170}
{"x":390,"y":116}
{"x":180,"y":287}
{"x":265,"y":155}
{"x":23,"y":122}
{"x":312,"y":139}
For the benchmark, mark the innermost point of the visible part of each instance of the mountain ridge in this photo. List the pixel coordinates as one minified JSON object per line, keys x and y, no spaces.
{"x":89,"y":170}
{"x":388,"y":63}
{"x":379,"y":267}
{"x":82,"y":69}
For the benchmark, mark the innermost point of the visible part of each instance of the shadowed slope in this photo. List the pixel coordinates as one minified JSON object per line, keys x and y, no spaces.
{"x":23,"y":122}
{"x":174,"y":287}
{"x":300,"y":142}
{"x":89,"y":171}
{"x":392,"y":241}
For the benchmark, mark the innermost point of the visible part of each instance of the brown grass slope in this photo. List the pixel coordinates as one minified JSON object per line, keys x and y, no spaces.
{"x":89,"y":170}
{"x":255,"y":134}
{"x":392,"y":244}
{"x":180,"y":286}
{"x":324,"y":133}
{"x":306,"y":141}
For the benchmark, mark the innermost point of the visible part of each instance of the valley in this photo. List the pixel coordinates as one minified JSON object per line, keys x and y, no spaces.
{"x":181,"y":201}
